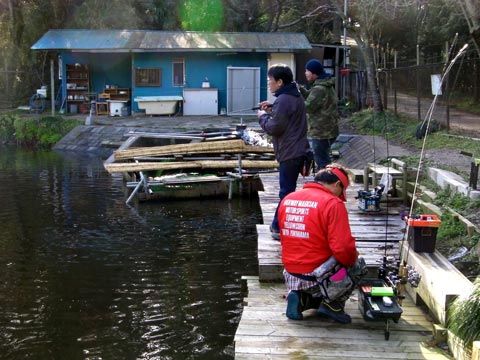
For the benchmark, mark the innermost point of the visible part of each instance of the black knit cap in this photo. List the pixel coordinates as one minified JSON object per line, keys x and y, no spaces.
{"x":315,"y":67}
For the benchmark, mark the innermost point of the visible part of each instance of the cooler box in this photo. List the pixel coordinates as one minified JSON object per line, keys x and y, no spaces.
{"x":116,"y":107}
{"x":422,"y":233}
{"x":368,"y":202}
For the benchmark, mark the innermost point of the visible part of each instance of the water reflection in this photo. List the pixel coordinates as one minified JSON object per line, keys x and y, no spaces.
{"x":85,"y":277}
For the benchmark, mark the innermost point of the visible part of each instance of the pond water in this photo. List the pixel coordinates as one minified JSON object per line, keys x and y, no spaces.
{"x":84,"y":276}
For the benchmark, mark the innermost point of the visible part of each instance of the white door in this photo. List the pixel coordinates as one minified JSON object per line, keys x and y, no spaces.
{"x":280,"y":58}
{"x":243,"y":90}
{"x":200,"y":101}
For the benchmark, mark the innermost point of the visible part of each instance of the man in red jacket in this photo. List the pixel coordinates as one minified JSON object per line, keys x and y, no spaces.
{"x":315,"y":232}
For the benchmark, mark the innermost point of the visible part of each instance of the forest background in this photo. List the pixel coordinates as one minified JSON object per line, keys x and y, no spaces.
{"x":388,"y":33}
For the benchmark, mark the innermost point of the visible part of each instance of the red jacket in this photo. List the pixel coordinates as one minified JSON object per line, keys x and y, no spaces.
{"x":313,"y":226}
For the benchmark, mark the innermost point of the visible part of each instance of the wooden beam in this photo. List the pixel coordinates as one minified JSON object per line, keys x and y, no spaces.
{"x":199,"y":164}
{"x":228,"y":146}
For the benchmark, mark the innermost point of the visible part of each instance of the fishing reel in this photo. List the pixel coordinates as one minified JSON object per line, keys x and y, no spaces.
{"x":396,"y":275}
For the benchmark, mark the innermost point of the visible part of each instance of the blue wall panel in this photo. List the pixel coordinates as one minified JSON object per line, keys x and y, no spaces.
{"x":198,"y":66}
{"x":105,"y":69}
{"x":116,"y":69}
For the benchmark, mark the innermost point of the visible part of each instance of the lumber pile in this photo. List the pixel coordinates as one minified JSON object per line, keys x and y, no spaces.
{"x":195,"y":156}
{"x":215,"y":147}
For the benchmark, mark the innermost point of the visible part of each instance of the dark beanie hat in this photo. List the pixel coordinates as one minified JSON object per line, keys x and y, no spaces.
{"x":315,"y":67}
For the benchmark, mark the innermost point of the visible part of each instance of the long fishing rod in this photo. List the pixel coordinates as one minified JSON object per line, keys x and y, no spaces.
{"x":428,"y":118}
{"x":432,"y":105}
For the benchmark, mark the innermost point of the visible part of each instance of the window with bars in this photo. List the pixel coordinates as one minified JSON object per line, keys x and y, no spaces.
{"x":178,"y":71}
{"x":148,"y":77}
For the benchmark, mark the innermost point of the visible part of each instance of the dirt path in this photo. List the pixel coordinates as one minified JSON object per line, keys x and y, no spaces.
{"x":450,"y":118}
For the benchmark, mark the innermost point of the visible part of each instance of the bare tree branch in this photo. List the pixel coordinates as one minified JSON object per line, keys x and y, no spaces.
{"x":471,"y":13}
{"x":314,"y":13}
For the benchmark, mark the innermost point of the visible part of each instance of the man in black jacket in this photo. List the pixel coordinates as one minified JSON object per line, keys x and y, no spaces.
{"x":286,"y":122}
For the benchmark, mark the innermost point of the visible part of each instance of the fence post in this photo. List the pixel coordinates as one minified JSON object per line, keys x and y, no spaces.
{"x":7,"y":83}
{"x":385,"y":89}
{"x":419,"y":113}
{"x":476,"y":75}
{"x":395,"y":55}
{"x":52,"y":88}
{"x":447,"y":104}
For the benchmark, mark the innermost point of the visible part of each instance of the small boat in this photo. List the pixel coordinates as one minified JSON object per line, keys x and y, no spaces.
{"x":192,"y":165}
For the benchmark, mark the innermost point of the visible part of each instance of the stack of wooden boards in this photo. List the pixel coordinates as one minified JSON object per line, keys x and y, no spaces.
{"x":193,"y":156}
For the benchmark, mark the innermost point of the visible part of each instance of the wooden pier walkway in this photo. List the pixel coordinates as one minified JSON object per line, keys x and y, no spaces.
{"x":264,"y":332}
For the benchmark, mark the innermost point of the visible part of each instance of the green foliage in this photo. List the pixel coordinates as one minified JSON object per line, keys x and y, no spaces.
{"x":202,"y":15}
{"x":452,"y":234}
{"x":385,"y":124}
{"x":43,"y":132}
{"x":461,"y":204}
{"x":452,"y":199}
{"x":7,"y":129}
{"x":450,"y":228}
{"x":464,"y":316}
{"x":112,"y":14}
{"x":457,"y":201}
{"x":442,"y":140}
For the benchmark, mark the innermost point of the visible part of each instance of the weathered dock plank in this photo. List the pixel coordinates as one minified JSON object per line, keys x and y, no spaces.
{"x":265,"y":332}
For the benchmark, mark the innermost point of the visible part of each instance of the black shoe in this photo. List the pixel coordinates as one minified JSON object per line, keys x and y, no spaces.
{"x":275,"y":233}
{"x":294,"y":306}
{"x":338,"y":315}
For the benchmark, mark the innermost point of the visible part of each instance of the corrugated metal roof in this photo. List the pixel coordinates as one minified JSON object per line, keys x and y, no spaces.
{"x":158,"y":41}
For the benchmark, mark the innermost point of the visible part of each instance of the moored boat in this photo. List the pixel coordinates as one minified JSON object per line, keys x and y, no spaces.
{"x":192,"y":165}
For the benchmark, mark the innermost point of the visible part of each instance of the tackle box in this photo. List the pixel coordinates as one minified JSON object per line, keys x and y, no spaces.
{"x":368,"y":202}
{"x":371,"y":303}
{"x":422,"y":232}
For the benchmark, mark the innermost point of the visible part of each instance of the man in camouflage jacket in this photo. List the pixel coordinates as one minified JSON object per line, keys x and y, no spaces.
{"x":321,"y":106}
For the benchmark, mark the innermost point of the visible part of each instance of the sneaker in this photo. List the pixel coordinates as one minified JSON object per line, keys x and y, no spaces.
{"x":337,"y":315}
{"x":275,"y":233}
{"x":294,"y":306}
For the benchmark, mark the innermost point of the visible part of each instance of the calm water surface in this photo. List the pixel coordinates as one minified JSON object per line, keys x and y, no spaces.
{"x":83,"y":276}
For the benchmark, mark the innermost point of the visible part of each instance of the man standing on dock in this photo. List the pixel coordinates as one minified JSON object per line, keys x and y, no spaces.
{"x":319,"y":253}
{"x":286,"y":122}
{"x":322,"y":112}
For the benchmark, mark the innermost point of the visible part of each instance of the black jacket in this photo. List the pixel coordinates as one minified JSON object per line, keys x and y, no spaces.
{"x":287,"y":124}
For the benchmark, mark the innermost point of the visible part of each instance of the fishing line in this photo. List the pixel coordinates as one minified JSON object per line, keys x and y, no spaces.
{"x":427,"y":120}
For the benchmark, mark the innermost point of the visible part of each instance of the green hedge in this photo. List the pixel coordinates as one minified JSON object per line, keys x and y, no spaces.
{"x":41,"y":132}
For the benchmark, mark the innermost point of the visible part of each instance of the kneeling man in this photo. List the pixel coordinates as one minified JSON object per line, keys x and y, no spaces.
{"x":319,"y":253}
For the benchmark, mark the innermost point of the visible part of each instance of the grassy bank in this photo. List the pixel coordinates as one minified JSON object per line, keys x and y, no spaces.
{"x":36,"y":132}
{"x":403,"y":130}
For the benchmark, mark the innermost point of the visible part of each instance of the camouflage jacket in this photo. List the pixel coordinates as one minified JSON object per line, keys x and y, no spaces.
{"x":321,"y":106}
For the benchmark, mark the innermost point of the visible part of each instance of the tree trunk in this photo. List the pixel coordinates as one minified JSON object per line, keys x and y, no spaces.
{"x":372,"y":81}
{"x":470,"y":10}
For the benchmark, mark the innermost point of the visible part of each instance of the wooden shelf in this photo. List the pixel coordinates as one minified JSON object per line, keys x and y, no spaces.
{"x":102,"y":108}
{"x":118,"y":93}
{"x":78,"y":86}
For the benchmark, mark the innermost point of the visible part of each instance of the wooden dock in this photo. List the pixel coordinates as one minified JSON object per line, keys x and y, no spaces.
{"x":264,"y":332}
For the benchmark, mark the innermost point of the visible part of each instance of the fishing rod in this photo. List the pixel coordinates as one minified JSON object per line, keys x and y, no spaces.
{"x":398,"y":273}
{"x":427,"y":121}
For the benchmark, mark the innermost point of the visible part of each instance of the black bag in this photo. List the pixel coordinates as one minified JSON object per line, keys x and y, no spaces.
{"x":336,"y":286}
{"x":308,"y":164}
{"x":333,"y":280}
